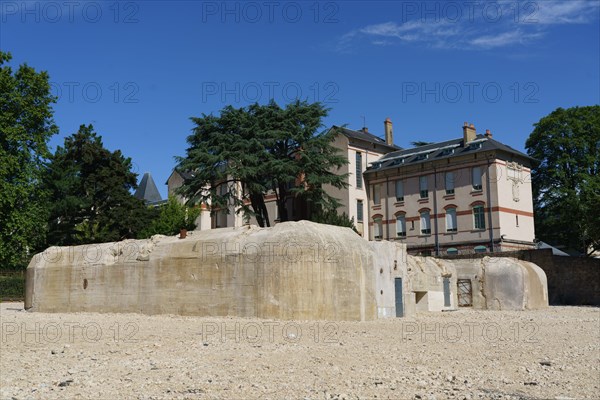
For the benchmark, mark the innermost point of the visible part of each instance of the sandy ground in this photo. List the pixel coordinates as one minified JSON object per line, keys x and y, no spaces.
{"x":553,"y":353}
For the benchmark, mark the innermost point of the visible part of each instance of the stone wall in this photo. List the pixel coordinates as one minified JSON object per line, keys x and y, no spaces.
{"x":571,"y":280}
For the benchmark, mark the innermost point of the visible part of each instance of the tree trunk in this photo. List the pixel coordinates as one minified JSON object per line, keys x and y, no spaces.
{"x":257,"y":201}
{"x":281,"y":203}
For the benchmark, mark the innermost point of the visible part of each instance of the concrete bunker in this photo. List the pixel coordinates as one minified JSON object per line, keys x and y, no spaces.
{"x":295,"y":270}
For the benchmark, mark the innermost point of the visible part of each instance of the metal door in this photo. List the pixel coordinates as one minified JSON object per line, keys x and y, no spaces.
{"x":465,"y":293}
{"x":399,"y":303}
{"x":446,"y":292}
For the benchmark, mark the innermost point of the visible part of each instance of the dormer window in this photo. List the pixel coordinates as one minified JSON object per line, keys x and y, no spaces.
{"x":447,"y":152}
{"x":421,"y":157}
{"x":475,"y":146}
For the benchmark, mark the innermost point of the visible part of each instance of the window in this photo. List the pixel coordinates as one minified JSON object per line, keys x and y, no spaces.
{"x":452,"y":250}
{"x":478,"y":217}
{"x":220,"y":219}
{"x":449,"y":182}
{"x":377,"y":194}
{"x":451,"y":220}
{"x":377,"y":229}
{"x":480,"y":249}
{"x":399,"y":190}
{"x":423,"y":187}
{"x":400,"y":226}
{"x":359,"y":210}
{"x":517,"y":218}
{"x":476,"y":177}
{"x":425,"y":223}
{"x":359,"y":178}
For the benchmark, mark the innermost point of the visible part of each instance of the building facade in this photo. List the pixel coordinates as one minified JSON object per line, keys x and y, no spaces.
{"x":360,"y":148}
{"x":471,"y":194}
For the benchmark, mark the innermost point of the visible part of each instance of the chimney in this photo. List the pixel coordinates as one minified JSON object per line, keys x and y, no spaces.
{"x":389,"y":134}
{"x":469,"y":133}
{"x":488,"y":134}
{"x":365,"y":129}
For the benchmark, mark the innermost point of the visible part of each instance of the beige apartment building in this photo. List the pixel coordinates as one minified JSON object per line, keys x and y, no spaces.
{"x":218,"y":219}
{"x":360,"y":148}
{"x":471,"y":194}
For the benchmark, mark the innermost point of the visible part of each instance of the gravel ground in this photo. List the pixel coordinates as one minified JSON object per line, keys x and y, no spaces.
{"x":553,"y":353}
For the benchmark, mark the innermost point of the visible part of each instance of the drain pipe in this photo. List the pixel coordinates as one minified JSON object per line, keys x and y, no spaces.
{"x":435,"y":213}
{"x":489,"y":201}
{"x":387,"y":224}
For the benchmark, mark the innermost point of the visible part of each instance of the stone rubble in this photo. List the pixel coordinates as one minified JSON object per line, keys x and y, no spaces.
{"x":467,"y":354}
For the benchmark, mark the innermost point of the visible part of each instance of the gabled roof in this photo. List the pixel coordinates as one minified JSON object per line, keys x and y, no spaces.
{"x":442,"y":150}
{"x":365,"y":136}
{"x":147,"y":190}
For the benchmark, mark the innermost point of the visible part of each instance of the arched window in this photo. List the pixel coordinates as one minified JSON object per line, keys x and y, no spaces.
{"x":377,"y":227}
{"x":400,"y":225}
{"x":480,"y":249}
{"x":478,"y":216}
{"x":451,"y":223}
{"x":425,"y":222}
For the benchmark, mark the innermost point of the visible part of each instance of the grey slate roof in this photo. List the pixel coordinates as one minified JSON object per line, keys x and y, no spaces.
{"x":365,"y":136}
{"x":147,"y":190}
{"x":442,"y":150}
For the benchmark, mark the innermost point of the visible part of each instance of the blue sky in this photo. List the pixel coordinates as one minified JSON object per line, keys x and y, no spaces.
{"x":138,"y":70}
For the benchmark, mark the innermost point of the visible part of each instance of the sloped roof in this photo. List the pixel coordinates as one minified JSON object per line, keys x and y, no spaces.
{"x":555,"y":251}
{"x":147,"y":190}
{"x":365,"y":136}
{"x":442,"y":150}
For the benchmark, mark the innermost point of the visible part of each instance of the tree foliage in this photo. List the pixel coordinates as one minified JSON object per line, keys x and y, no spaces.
{"x":239,"y":157}
{"x":331,"y":217}
{"x":26,"y":125}
{"x":90,"y":192}
{"x":173,"y":216}
{"x":566,"y":184}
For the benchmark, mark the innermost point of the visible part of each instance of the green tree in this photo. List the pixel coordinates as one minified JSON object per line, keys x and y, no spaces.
{"x":172,"y":217}
{"x":244,"y":154}
{"x":566,"y":184}
{"x":331,"y":217}
{"x":90,"y":192}
{"x":26,"y":125}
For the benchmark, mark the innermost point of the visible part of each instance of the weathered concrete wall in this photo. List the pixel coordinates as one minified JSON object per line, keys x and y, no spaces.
{"x":389,"y":263}
{"x":295,"y":270}
{"x":503,"y":283}
{"x":571,"y":280}
{"x":427,"y":281}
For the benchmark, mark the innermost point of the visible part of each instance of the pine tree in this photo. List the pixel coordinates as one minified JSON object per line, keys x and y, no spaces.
{"x":90,"y":189}
{"x":264,"y":149}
